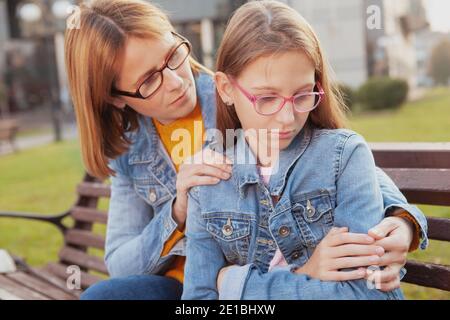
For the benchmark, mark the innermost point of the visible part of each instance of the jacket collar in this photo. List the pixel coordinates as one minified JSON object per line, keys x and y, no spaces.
{"x":145,"y":142}
{"x":246,"y":173}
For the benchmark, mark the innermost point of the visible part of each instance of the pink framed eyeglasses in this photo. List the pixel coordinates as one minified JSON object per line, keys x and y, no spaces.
{"x":270,"y":104}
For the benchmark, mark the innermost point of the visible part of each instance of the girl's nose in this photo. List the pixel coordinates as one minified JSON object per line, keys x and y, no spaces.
{"x":286,"y":115}
{"x":172,"y":81}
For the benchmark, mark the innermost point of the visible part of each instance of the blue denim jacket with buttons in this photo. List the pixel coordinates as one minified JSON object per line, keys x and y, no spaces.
{"x":325,"y":178}
{"x":142,"y":193}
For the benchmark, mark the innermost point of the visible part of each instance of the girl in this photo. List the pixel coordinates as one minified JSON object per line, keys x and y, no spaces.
{"x":286,"y":213}
{"x":133,"y":84}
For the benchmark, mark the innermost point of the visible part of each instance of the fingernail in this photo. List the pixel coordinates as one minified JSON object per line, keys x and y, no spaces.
{"x":369,"y":238}
{"x":375,"y":231}
{"x":374,"y":259}
{"x":379,"y":251}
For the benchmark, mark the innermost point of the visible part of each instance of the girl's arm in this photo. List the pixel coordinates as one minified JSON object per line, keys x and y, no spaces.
{"x":359,"y":206}
{"x":204,"y":257}
{"x":393,"y":200}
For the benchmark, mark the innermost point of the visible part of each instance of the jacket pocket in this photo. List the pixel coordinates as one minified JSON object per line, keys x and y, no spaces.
{"x":313,"y":213}
{"x":233,"y":236}
{"x":151,"y":191}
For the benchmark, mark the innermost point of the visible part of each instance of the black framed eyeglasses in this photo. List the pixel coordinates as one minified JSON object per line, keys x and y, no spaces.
{"x":153,"y":82}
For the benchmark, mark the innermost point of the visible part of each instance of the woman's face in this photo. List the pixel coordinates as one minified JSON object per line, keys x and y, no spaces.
{"x":176,"y":97}
{"x":286,"y":74}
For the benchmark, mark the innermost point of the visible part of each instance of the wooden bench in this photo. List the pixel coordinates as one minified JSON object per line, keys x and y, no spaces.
{"x":8,"y":131}
{"x":422,"y":172}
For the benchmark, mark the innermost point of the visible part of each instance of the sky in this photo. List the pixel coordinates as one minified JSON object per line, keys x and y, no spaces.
{"x":439,"y":14}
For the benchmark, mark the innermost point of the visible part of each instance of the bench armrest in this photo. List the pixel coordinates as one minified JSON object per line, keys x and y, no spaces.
{"x":56,"y":220}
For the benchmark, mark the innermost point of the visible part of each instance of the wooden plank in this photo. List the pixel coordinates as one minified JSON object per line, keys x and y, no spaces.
{"x":59,"y":282}
{"x":428,"y":275}
{"x":439,"y":228}
{"x":85,"y":238}
{"x":40,"y":286}
{"x":5,"y":295}
{"x":59,"y":270}
{"x":82,"y":259}
{"x":411,"y":155}
{"x":89,"y":215}
{"x":423,"y":186}
{"x":94,"y":189}
{"x":16,"y":289}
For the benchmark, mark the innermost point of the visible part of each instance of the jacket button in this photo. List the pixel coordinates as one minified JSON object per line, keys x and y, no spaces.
{"x":310,"y":210}
{"x":227,"y":230}
{"x":296,"y":255}
{"x":152,"y":196}
{"x":284,"y":231}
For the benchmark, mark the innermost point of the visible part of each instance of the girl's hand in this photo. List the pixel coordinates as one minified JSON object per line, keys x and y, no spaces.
{"x":204,"y":168}
{"x":394,"y":234}
{"x":341,"y":250}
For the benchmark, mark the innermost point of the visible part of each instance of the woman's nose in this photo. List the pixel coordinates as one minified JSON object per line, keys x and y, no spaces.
{"x":172,"y":81}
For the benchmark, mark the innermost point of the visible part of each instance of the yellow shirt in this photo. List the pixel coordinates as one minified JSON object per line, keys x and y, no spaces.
{"x":181,"y":138}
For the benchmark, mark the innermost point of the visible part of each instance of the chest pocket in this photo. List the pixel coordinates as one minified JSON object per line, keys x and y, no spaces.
{"x":233,"y":236}
{"x":313,"y":213}
{"x":151,"y":191}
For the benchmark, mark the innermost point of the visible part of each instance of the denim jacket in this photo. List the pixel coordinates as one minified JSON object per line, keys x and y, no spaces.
{"x":325,"y":178}
{"x":142,"y":193}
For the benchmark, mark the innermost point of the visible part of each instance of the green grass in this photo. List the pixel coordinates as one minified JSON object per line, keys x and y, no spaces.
{"x":43,"y":180}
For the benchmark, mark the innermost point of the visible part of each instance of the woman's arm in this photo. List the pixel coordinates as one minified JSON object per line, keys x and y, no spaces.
{"x":204,"y":257}
{"x":135,"y":233}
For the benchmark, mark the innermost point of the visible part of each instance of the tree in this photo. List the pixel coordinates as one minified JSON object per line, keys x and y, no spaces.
{"x":440,"y":63}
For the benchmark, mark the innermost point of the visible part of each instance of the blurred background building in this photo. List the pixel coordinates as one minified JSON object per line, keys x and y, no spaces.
{"x":31,"y":45}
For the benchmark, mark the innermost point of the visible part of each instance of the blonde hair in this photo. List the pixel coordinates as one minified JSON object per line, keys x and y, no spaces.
{"x":265,"y":28}
{"x":92,"y":54}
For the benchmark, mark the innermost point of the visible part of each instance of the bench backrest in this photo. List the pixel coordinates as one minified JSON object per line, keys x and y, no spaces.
{"x":421,"y":171}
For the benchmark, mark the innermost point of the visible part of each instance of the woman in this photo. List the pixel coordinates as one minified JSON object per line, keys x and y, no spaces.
{"x":134,"y":86}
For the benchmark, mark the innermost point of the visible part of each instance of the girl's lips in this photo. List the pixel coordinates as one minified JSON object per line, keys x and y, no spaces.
{"x":284,"y":134}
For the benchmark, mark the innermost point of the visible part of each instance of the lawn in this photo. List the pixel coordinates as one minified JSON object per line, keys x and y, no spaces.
{"x":44,"y":179}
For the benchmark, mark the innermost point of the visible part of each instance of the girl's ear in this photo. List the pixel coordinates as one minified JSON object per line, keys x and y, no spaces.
{"x":224,"y":88}
{"x":117,"y":102}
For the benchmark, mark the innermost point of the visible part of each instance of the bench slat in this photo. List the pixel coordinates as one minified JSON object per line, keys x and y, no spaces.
{"x":439,"y":228}
{"x":423,"y":186}
{"x":40,"y":286}
{"x":412,"y":155}
{"x":89,"y":215}
{"x":94,"y":189}
{"x":428,"y":275}
{"x":59,"y":270}
{"x":19,"y":291}
{"x":85,"y":238}
{"x":60,"y":282}
{"x":82,"y":259}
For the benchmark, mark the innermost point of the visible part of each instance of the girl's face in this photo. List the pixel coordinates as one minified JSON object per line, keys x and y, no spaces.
{"x":176,"y":97}
{"x":286,"y":74}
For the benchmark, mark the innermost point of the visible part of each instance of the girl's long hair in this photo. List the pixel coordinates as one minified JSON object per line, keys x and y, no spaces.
{"x":265,"y":28}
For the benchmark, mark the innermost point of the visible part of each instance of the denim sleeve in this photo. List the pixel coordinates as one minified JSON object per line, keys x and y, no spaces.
{"x":135,"y":232}
{"x":393,"y":198}
{"x":204,"y":257}
{"x":359,"y":206}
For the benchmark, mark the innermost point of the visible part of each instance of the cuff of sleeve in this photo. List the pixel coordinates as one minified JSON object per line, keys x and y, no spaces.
{"x":413,"y":214}
{"x":233,"y":282}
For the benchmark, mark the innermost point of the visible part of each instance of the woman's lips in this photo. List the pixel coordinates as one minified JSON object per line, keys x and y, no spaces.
{"x":181,"y":97}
